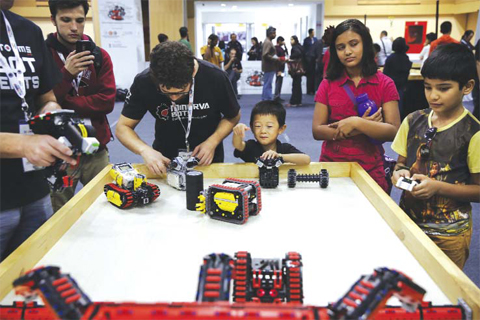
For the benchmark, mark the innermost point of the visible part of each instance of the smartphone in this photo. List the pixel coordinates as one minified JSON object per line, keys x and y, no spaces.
{"x":83,"y":45}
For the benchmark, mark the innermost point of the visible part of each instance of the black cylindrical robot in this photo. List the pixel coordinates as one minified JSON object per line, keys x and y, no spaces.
{"x":194,"y":182}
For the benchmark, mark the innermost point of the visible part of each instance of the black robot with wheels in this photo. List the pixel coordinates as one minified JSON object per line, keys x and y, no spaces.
{"x":322,"y":178}
{"x":268,"y":172}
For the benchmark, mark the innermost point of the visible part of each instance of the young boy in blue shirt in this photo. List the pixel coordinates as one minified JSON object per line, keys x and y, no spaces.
{"x":439,"y":148}
{"x":267,"y":121}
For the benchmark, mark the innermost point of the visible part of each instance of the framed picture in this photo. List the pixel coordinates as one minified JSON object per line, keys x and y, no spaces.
{"x":415,"y":34}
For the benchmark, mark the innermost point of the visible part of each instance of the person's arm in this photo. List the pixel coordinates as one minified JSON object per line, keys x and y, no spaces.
{"x":401,"y":170}
{"x":228,"y":64}
{"x":47,"y":102}
{"x":125,"y":132}
{"x":74,"y":64}
{"x":267,"y":52}
{"x":320,"y":128}
{"x":238,"y":138}
{"x":429,"y":187}
{"x":206,"y":150}
{"x":208,"y":53}
{"x":100,"y":103}
{"x":296,"y":158}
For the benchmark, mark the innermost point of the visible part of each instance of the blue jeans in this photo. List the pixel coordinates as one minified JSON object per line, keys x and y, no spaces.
{"x":16,"y":225}
{"x":267,"y":85}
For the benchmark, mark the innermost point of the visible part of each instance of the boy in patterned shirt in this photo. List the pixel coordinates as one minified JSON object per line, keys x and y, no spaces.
{"x":438,"y":148}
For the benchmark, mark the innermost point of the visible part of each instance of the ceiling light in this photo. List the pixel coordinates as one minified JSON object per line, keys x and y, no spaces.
{"x":290,"y":4}
{"x":223,"y":5}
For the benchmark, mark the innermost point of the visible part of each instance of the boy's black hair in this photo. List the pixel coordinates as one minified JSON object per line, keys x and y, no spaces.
{"x":183,"y":32}
{"x":400,"y":45}
{"x":451,"y":61}
{"x":384,"y":32}
{"x":280,"y":38}
{"x":269,"y":107}
{"x":335,"y":67}
{"x":446,"y":27}
{"x":376,"y":47}
{"x":310,"y":30}
{"x":55,"y":5}
{"x":431,"y":37}
{"x":171,"y":64}
{"x":162,"y":37}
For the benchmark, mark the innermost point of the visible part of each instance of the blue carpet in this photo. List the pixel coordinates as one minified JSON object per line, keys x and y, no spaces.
{"x":299,"y":134}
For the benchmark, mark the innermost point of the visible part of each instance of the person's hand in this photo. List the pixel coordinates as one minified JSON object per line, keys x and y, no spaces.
{"x":49,"y":107}
{"x":155,"y":161}
{"x":397,"y":174}
{"x":44,"y":150}
{"x":377,"y":116}
{"x":426,"y":188}
{"x":240,"y":130}
{"x":205,"y":152}
{"x":270,"y":154}
{"x":78,"y":62}
{"x":344,"y":127}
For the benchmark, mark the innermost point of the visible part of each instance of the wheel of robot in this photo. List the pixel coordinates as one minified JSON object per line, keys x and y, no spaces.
{"x":126,"y":197}
{"x":292,"y":178}
{"x":242,"y":276}
{"x":153,"y":191}
{"x":294,"y":277}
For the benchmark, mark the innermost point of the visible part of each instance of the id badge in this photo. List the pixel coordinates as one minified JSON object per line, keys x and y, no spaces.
{"x":24,"y":128}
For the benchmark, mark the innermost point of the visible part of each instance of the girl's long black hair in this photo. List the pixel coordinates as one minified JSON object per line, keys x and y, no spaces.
{"x":335,"y":67}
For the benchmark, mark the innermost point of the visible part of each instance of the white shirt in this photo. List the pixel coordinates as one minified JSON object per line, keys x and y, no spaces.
{"x":424,"y":54}
{"x":385,"y":50}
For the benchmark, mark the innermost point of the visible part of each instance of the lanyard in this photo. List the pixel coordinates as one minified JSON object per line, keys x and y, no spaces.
{"x":15,"y":77}
{"x":75,"y":82}
{"x":190,"y":114}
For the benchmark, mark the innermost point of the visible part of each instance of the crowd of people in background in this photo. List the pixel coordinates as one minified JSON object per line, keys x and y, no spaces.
{"x":342,"y":69}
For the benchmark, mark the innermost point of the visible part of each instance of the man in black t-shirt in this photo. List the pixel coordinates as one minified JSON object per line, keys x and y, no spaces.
{"x":25,"y":201}
{"x":165,"y":89}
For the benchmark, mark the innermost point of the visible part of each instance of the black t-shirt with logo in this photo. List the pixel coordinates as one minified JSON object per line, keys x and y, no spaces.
{"x":213,"y":97}
{"x":18,"y":188}
{"x":254,"y":150}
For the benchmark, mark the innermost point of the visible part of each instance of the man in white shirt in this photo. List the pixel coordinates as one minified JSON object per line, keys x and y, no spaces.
{"x":385,"y":48}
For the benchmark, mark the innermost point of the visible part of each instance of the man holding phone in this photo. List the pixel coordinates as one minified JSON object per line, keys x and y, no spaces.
{"x":87,"y":87}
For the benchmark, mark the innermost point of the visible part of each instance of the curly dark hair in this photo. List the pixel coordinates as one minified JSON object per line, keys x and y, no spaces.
{"x":171,"y":65}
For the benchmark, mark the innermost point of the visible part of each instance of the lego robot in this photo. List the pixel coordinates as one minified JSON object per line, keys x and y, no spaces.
{"x":177,"y":170}
{"x":365,"y":299}
{"x":69,"y":129}
{"x":268,"y":172}
{"x":268,"y":280}
{"x":233,"y":201}
{"x":322,"y":178}
{"x":130,"y":188}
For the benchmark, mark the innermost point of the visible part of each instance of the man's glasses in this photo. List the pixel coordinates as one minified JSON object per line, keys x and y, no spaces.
{"x":425,"y":148}
{"x":179,"y":93}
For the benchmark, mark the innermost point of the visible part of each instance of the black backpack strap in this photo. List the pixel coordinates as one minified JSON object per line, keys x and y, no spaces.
{"x":97,"y":53}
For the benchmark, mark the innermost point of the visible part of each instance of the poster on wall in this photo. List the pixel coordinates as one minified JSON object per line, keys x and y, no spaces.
{"x":121,"y":33}
{"x":415,"y":35}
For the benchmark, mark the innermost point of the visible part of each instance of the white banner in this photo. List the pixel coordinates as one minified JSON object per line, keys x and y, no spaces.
{"x":121,"y":32}
{"x":251,"y":80}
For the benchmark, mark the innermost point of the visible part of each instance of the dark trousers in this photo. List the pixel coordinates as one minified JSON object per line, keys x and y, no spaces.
{"x":278,"y":87}
{"x":233,"y":77}
{"x":310,"y":74}
{"x":296,"y":97}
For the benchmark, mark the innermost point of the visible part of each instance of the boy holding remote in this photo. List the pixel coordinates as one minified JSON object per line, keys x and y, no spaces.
{"x":438,"y":150}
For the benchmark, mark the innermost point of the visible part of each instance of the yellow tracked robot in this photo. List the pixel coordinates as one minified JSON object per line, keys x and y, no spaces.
{"x":233,"y":201}
{"x":129,"y":187}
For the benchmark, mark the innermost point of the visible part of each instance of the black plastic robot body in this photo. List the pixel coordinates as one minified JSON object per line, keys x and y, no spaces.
{"x":233,"y":201}
{"x":322,"y":178}
{"x":268,"y":280}
{"x":268,"y":172}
